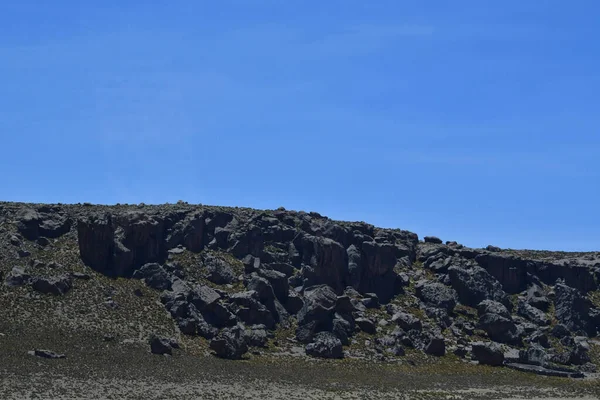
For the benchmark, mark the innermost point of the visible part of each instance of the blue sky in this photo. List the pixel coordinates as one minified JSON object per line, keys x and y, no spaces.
{"x":475,"y":121}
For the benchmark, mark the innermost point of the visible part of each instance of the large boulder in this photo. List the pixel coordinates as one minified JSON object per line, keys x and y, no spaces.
{"x":475,"y":284}
{"x":218,"y":270}
{"x":325,"y":345}
{"x":436,"y":346}
{"x":160,"y":345}
{"x":488,"y":353}
{"x":500,"y":329}
{"x":51,"y":224}
{"x":230,"y":343}
{"x":436,"y":294}
{"x":407,"y":321}
{"x":317,"y":313}
{"x":250,"y":310}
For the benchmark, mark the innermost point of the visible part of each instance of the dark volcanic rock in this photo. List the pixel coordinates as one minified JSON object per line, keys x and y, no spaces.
{"x":160,"y":345}
{"x":378,"y":270}
{"x":33,"y":224}
{"x":510,"y":271}
{"x":325,"y":345}
{"x":488,"y":353}
{"x":56,"y":285}
{"x":218,"y":270}
{"x":328,"y":261}
{"x":17,"y":277}
{"x":230,"y":343}
{"x":572,"y":309}
{"x":154,"y":275}
{"x":436,"y":294}
{"x":432,"y":239}
{"x":475,"y":285}
{"x":47,"y":354}
{"x":436,"y":346}
{"x":317,"y":313}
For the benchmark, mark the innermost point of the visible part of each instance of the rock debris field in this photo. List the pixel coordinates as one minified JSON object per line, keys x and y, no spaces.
{"x":193,"y":301}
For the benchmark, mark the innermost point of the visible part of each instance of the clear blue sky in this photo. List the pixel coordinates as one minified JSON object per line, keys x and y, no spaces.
{"x":476,"y":121}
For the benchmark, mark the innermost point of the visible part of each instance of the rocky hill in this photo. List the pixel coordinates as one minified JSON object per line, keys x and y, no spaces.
{"x":238,"y":283}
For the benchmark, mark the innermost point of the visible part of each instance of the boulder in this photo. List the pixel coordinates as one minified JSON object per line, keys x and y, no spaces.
{"x":47,"y":354}
{"x":436,"y":294}
{"x":294,"y":303}
{"x":56,"y":285}
{"x":278,"y":281}
{"x":500,"y":329}
{"x":154,"y":275}
{"x":325,"y":345}
{"x":366,"y":325}
{"x":160,"y":345}
{"x":436,"y":346}
{"x":317,"y":313}
{"x":251,"y":311}
{"x":492,"y":307}
{"x":17,"y":277}
{"x":432,"y":239}
{"x":218,"y":270}
{"x":407,"y":321}
{"x":536,"y":298}
{"x":230,"y":343}
{"x":488,"y":353}
{"x":33,"y":224}
{"x":256,"y":336}
{"x":534,"y":355}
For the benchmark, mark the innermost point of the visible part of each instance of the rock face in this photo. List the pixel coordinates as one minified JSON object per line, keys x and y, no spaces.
{"x":475,"y":285}
{"x":241,"y":277}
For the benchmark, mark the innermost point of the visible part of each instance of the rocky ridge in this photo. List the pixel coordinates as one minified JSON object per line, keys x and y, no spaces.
{"x":246,"y":281}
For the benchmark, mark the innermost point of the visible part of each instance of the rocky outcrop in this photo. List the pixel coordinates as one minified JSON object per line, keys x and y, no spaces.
{"x":235,"y":276}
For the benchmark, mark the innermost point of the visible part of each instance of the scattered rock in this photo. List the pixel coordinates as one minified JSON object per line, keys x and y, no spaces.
{"x":47,"y":354}
{"x":17,"y":277}
{"x":56,"y":285}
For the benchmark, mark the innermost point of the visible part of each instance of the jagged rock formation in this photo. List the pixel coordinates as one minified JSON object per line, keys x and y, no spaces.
{"x":260,"y":272}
